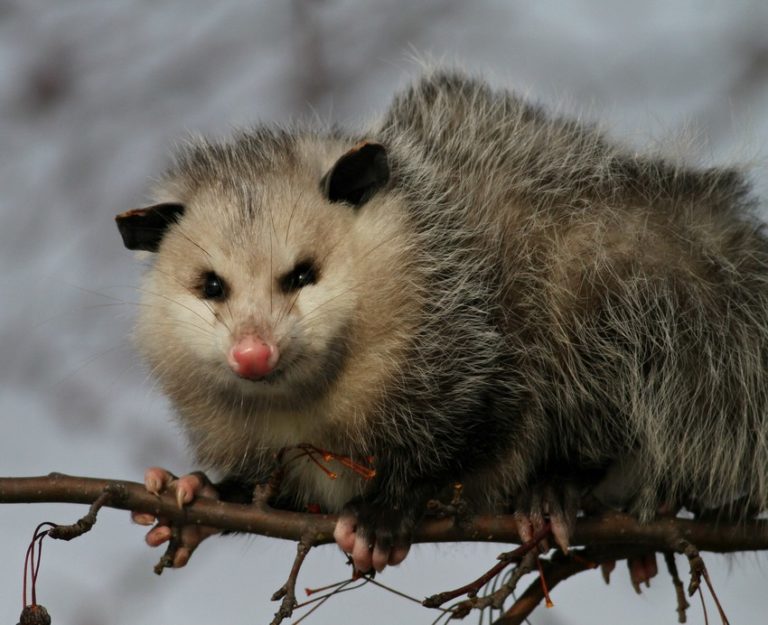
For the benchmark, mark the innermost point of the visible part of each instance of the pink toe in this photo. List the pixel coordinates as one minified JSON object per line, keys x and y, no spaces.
{"x":379,"y":559}
{"x":344,"y":533}
{"x":143,"y":518}
{"x":158,"y":535}
{"x":156,"y":479}
{"x":362,"y":555}
{"x":181,"y":557}
{"x":397,"y":555}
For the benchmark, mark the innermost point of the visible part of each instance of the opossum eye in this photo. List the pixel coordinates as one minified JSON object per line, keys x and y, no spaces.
{"x":212,"y":286}
{"x":301,"y":275}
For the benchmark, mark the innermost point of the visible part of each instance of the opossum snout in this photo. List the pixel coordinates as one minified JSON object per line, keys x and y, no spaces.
{"x":252,"y":357}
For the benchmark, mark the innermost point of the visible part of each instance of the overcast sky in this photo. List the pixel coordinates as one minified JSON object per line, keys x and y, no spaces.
{"x":93,"y":96}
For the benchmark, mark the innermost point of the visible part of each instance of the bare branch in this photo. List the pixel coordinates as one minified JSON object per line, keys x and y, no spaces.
{"x":608,"y":537}
{"x":663,"y":534}
{"x":473,"y":588}
{"x":288,"y":590}
{"x":560,"y":568}
{"x":682,"y":603}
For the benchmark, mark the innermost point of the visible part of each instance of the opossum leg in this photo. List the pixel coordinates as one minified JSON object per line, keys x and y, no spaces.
{"x":186,"y":489}
{"x":556,"y":502}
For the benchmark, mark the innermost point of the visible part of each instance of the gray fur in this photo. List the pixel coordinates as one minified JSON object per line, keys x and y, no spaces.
{"x":563,"y":303}
{"x":633,"y":291}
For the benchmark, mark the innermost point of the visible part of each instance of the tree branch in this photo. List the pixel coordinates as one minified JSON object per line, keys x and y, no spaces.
{"x":662,"y":534}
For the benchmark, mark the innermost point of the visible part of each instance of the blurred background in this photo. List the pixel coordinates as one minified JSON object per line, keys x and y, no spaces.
{"x":93,"y":96}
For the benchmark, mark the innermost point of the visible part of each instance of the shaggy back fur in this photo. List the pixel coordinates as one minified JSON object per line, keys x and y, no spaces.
{"x":631,"y":292}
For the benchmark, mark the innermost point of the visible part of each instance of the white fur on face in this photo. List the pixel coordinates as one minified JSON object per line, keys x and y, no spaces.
{"x":251,"y":257}
{"x":335,"y":337}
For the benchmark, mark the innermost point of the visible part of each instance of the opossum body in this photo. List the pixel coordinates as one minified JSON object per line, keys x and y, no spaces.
{"x":469,"y":291}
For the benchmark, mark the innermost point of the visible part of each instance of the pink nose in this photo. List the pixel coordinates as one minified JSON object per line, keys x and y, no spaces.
{"x":252,"y":357}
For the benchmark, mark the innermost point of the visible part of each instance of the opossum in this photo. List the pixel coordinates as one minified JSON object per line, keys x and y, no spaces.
{"x":468,"y":290}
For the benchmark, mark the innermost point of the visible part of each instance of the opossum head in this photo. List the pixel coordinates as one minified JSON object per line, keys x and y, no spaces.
{"x":266,"y":253}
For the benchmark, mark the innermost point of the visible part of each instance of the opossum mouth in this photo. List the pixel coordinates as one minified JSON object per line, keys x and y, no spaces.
{"x":295,"y":382}
{"x":271,"y":378}
{"x":274,"y":376}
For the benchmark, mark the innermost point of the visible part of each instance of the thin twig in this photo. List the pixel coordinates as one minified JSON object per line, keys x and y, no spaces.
{"x":695,"y":562}
{"x":682,"y":602}
{"x":343,"y":587}
{"x":699,"y":570}
{"x":720,"y":610}
{"x":111,"y":493}
{"x":505,"y":560}
{"x":496,"y":598}
{"x":394,"y":591}
{"x":167,"y":559}
{"x":560,"y":568}
{"x":703,"y":606}
{"x":288,"y":591}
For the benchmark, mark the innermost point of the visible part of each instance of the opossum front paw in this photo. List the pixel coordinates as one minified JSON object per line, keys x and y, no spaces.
{"x":556,"y":502}
{"x":375,"y":535}
{"x":186,"y":488}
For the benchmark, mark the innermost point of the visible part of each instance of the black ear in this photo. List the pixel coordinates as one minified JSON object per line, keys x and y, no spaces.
{"x":357,"y":175}
{"x":144,"y":228}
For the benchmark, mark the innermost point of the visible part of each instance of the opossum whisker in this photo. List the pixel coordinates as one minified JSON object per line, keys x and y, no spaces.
{"x":181,"y":230}
{"x":177,"y":303}
{"x":297,"y":201}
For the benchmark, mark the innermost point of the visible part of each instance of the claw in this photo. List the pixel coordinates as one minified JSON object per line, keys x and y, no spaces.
{"x":558,"y":502}
{"x":561,"y":532}
{"x":606,"y":568}
{"x":185,"y":490}
{"x":156,"y":480}
{"x":362,"y":555}
{"x":376,"y":536}
{"x":524,"y":527}
{"x":641,"y":570}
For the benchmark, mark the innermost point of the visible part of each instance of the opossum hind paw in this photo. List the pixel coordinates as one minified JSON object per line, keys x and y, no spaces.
{"x":548,"y":501}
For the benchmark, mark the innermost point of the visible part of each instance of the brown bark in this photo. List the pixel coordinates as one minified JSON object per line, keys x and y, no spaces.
{"x":609,"y":529}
